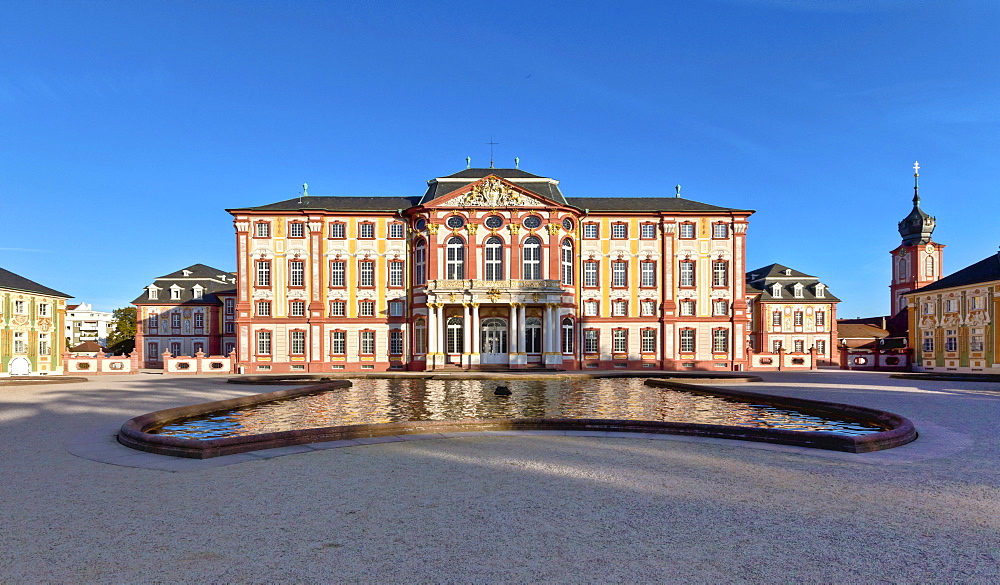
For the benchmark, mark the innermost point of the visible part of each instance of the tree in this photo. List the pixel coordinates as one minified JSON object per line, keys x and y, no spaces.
{"x":121,"y":335}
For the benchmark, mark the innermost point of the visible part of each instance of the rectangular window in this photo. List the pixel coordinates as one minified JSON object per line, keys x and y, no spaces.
{"x":367,"y":342}
{"x":720,"y":273}
{"x":951,"y":340}
{"x":720,"y":307}
{"x":199,"y":320}
{"x":820,"y":347}
{"x":175,"y":320}
{"x":590,"y":274}
{"x":296,"y":229}
{"x":647,"y":231}
{"x":619,"y":340}
{"x":154,"y":321}
{"x":619,"y":274}
{"x":799,"y":346}
{"x":230,"y":306}
{"x":687,"y":273}
{"x":647,"y":274}
{"x":338,"y":342}
{"x":647,"y":308}
{"x":338,"y":230}
{"x":230,"y":327}
{"x":43,"y":310}
{"x":590,"y":231}
{"x":619,"y":308}
{"x":928,"y":345}
{"x":776,"y":346}
{"x":950,"y":306}
{"x":797,"y":316}
{"x":591,"y":341}
{"x":298,"y":342}
{"x":687,"y":308}
{"x":976,"y":339}
{"x":648,"y":341}
{"x":175,"y":348}
{"x":20,"y":342}
{"x":687,"y":231}
{"x":263,"y":308}
{"x":720,"y":231}
{"x":175,"y":293}
{"x":395,"y":342}
{"x":366,"y":230}
{"x":366,"y":273}
{"x":776,"y":320}
{"x":567,"y":335}
{"x":338,"y":308}
{"x":366,"y":309}
{"x":820,"y":319}
{"x":720,"y":340}
{"x":396,"y":308}
{"x":420,"y":337}
{"x":263,"y":273}
{"x":687,"y":340}
{"x":263,"y":343}
{"x":43,"y":344}
{"x":590,"y":308}
{"x":153,"y":351}
{"x":928,"y":309}
{"x":263,"y":230}
{"x":297,"y":309}
{"x":338,"y":268}
{"x":619,"y":231}
{"x":395,"y":273}
{"x":395,"y":230}
{"x":296,"y":272}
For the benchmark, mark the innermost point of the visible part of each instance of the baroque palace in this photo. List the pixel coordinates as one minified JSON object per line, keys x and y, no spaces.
{"x":490,"y":268}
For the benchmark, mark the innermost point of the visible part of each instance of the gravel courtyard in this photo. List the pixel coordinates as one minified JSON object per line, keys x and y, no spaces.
{"x":503,"y":508}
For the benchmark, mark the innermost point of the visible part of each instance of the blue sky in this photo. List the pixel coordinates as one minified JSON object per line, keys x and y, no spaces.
{"x":129,"y":127}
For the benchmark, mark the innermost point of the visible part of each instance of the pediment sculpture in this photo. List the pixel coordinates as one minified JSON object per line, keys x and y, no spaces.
{"x":495,"y":193}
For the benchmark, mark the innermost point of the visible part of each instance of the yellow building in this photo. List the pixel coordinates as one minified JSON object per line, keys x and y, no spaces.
{"x":32,"y":315}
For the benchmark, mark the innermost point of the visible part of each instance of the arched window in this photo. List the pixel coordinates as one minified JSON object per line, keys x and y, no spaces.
{"x":533,"y":335}
{"x":567,"y":261}
{"x":929,"y":266}
{"x":420,"y":337}
{"x":902,"y":269}
{"x":420,"y":262}
{"x":455,"y":259}
{"x":494,"y":258}
{"x":532,"y":253}
{"x":455,"y":335}
{"x":567,"y":335}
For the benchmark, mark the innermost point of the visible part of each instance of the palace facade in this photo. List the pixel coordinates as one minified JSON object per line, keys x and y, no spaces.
{"x":186,"y":312}
{"x":490,"y":268}
{"x":31,"y":327}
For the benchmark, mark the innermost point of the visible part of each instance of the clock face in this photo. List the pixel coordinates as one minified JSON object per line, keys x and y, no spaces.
{"x":929,"y":249}
{"x":568,"y":224}
{"x":420,"y":224}
{"x":902,"y":253}
{"x":494,"y":221}
{"x":532,"y":221}
{"x":455,"y":222}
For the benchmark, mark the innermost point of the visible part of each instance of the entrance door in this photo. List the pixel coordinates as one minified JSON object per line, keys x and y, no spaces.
{"x":494,"y":342}
{"x":19,"y":366}
{"x":455,"y":340}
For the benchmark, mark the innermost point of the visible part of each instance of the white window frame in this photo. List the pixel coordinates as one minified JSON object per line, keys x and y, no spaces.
{"x":296,"y":273}
{"x":619,"y":273}
{"x":647,"y":231}
{"x":619,"y":308}
{"x":297,"y":342}
{"x":590,"y":271}
{"x":687,"y":273}
{"x":493,"y":253}
{"x":647,"y":274}
{"x":366,"y":273}
{"x":567,"y":261}
{"x":263,"y":343}
{"x":366,"y":230}
{"x":531,"y":258}
{"x":619,"y":340}
{"x":338,"y":273}
{"x":263,"y":268}
{"x":687,"y":340}
{"x":455,"y":258}
{"x":647,"y":341}
{"x":296,"y":229}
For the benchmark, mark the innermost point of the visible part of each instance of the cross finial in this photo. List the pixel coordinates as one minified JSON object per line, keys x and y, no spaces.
{"x":916,"y":169}
{"x":916,"y":184}
{"x":492,"y":144}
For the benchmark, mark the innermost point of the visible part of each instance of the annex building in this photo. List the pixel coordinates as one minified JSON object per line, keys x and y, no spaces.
{"x":490,"y":268}
{"x":31,"y":327}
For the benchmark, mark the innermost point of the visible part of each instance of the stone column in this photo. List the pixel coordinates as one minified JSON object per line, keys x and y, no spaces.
{"x":442,"y":335}
{"x":432,"y":328}
{"x":466,"y":334}
{"x":474,"y":324}
{"x":512,"y":330}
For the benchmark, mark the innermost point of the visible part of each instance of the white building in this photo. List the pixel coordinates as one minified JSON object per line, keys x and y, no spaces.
{"x":83,"y":324}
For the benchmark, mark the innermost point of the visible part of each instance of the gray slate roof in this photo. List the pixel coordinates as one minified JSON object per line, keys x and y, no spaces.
{"x":667,"y":204}
{"x":548,"y":188}
{"x":763,"y":279}
{"x":775,"y":271}
{"x":12,"y":281}
{"x":200,"y":274}
{"x":986,"y":270}
{"x":337,"y":204}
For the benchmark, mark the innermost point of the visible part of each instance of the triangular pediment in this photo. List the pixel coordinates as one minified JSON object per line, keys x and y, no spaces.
{"x":492,"y":192}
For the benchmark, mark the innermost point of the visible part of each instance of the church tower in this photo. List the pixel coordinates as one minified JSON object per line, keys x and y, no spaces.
{"x":917,"y":261}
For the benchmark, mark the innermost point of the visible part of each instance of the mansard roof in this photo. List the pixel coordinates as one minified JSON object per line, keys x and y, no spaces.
{"x":772,"y":271}
{"x":763,"y":280}
{"x":666,"y":204}
{"x":542,"y":186}
{"x":213,"y":282}
{"x":986,"y":270}
{"x":337,"y":204}
{"x":12,"y":281}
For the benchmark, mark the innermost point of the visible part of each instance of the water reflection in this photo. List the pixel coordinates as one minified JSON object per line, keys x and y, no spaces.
{"x":383,"y":401}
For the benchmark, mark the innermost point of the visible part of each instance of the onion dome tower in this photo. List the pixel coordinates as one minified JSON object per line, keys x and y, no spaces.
{"x":917,"y":261}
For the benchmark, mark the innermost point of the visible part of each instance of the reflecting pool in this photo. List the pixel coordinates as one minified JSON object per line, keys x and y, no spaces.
{"x":395,"y":400}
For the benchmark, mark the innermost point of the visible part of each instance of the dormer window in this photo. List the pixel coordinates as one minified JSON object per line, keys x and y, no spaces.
{"x":186,"y":272}
{"x":776,"y":290}
{"x":198,"y":291}
{"x":175,"y":293}
{"x":788,"y":272}
{"x":798,"y":290}
{"x":152,"y":292}
{"x":821,"y":290}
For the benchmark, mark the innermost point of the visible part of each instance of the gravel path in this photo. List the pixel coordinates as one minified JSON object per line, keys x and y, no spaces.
{"x":512,"y":508}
